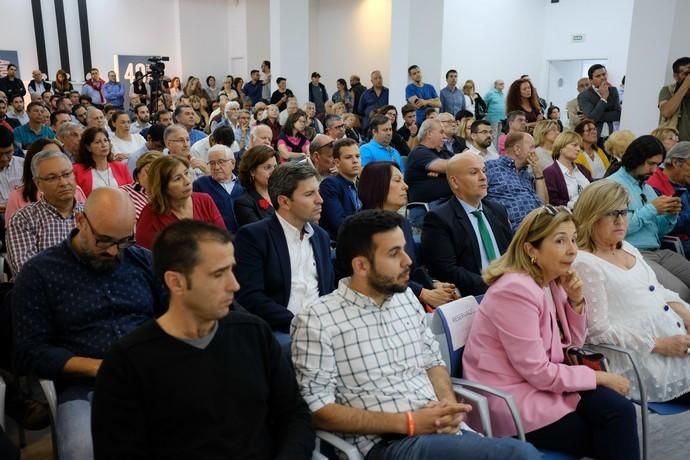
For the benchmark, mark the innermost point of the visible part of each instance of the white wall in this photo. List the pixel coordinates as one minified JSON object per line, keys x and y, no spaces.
{"x":18,"y":34}
{"x":493,"y":39}
{"x":349,"y":37}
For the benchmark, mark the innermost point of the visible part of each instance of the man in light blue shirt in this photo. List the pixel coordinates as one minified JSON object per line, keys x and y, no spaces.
{"x":379,"y":148}
{"x":421,"y":95}
{"x":114,"y":92}
{"x":495,"y":108}
{"x":650,"y":217}
{"x":452,"y":98}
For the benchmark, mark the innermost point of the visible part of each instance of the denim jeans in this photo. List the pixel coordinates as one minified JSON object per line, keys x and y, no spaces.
{"x":73,"y":424}
{"x":447,"y":446}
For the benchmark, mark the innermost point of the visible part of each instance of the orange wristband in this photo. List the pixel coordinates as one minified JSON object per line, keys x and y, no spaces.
{"x":410,"y":424}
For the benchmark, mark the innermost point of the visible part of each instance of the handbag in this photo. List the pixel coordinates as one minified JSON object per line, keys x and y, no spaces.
{"x":575,"y":356}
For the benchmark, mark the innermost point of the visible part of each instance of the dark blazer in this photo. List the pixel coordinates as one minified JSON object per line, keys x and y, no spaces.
{"x":450,"y":248}
{"x":338,"y":203}
{"x":555,"y":182}
{"x":224,"y":202}
{"x":599,"y":111}
{"x":263,"y":270}
{"x":247,"y":209}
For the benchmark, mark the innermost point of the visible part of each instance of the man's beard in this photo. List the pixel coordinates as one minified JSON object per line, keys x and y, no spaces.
{"x":387,"y":285}
{"x":98,"y":263}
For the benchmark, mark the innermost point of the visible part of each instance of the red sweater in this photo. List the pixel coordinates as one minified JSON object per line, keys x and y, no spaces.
{"x":150,"y":223}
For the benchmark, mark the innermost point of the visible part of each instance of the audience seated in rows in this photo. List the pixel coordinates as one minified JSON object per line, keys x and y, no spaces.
{"x":386,"y":388}
{"x":534,"y":309}
{"x":462,"y":236}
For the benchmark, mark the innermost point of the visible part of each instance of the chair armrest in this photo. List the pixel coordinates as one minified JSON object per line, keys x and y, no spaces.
{"x":48,"y":387}
{"x":3,"y":390}
{"x":506,"y":397}
{"x":480,"y":403}
{"x":417,"y":204}
{"x":673,"y":243}
{"x":345,"y":447}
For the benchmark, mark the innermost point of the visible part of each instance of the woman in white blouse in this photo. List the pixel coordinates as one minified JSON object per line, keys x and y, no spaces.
{"x":627,"y":305}
{"x":123,"y":142}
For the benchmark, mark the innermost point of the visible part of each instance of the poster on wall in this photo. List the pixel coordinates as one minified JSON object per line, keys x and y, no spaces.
{"x":6,"y":58}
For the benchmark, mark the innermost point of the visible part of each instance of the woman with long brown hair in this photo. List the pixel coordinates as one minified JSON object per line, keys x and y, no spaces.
{"x":523,"y":96}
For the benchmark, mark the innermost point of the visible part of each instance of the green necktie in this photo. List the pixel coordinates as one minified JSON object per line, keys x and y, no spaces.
{"x":485,"y":235}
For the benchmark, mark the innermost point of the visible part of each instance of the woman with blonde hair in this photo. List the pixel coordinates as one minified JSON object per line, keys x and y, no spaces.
{"x":465,"y":127}
{"x":668,"y":136}
{"x":545,"y":132}
{"x":566,"y":179}
{"x":171,"y":199}
{"x":473,"y":101}
{"x":628,"y":307}
{"x":533,"y":309}
{"x":615,"y":146}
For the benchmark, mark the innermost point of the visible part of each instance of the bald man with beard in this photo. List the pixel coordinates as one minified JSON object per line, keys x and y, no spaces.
{"x":74,"y":301}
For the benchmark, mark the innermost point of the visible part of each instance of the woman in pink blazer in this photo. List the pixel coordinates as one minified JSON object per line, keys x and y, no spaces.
{"x":533,"y":309}
{"x":95,"y":166}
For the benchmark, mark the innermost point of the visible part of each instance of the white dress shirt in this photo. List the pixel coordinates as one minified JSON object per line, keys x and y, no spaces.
{"x":575,"y":181}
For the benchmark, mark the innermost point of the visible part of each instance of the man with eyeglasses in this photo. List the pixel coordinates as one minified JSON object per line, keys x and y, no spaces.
{"x":177,"y":142}
{"x":335,"y":126}
{"x":452,"y":143}
{"x":75,"y":300}
{"x":222,"y":185}
{"x":480,"y":140}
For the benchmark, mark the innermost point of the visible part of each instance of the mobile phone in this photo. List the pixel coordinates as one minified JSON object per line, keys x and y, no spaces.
{"x":679,"y":191}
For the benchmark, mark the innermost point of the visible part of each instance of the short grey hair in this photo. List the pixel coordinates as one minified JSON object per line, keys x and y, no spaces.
{"x":426,"y":127}
{"x":332,"y":119}
{"x":171,"y":130}
{"x":45,"y":155}
{"x":227,"y":152}
{"x":285,"y":179}
{"x":66,"y":128}
{"x":680,"y":151}
{"x":231,"y":105}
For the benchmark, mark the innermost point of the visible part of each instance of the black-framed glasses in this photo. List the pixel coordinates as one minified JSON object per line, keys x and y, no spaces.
{"x":643,"y":197}
{"x":613,"y":215}
{"x":219,"y":162}
{"x":106,"y":242}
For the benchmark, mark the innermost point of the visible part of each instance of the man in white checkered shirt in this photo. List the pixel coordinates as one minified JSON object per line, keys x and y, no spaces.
{"x":368,"y":365}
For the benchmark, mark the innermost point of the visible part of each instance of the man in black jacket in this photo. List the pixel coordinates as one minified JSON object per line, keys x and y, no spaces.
{"x":462,"y":236}
{"x":11,"y":85}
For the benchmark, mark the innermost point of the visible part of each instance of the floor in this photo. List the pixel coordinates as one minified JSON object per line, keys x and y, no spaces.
{"x":669,"y":440}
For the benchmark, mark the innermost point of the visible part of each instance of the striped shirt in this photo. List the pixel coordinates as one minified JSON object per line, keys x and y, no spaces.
{"x":138,"y":197}
{"x":34,"y":228}
{"x":348,"y":350}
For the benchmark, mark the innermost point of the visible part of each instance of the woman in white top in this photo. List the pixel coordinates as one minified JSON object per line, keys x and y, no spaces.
{"x":123,"y":142}
{"x":627,"y":305}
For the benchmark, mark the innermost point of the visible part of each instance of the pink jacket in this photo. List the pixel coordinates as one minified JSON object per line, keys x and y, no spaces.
{"x":514,"y":345}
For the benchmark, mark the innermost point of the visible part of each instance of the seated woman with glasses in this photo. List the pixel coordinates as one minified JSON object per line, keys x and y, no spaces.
{"x":96,"y":167}
{"x":591,"y":157}
{"x":27,"y":193}
{"x":566,"y":179}
{"x":172,"y":199}
{"x":533,"y":309}
{"x":627,"y":305}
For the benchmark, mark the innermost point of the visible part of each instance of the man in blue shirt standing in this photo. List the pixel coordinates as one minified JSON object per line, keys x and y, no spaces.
{"x":452,"y":98}
{"x":495,"y":108}
{"x":74,"y":301}
{"x":114,"y":92}
{"x":421,"y":95}
{"x":373,"y":98}
{"x":254,"y":88}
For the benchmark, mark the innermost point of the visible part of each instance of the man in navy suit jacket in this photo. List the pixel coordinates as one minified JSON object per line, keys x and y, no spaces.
{"x":222,"y":184}
{"x":452,"y":246}
{"x":339,"y":192}
{"x":284,"y":261}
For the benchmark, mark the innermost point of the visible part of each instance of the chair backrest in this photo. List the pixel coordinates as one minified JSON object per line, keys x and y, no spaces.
{"x":451,"y":325}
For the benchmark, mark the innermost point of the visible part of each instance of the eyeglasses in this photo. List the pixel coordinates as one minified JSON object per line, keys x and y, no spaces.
{"x":215,"y":163}
{"x":483,"y":131}
{"x":613,"y":215}
{"x":56,"y":177}
{"x":105,"y":242}
{"x":554,"y":210}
